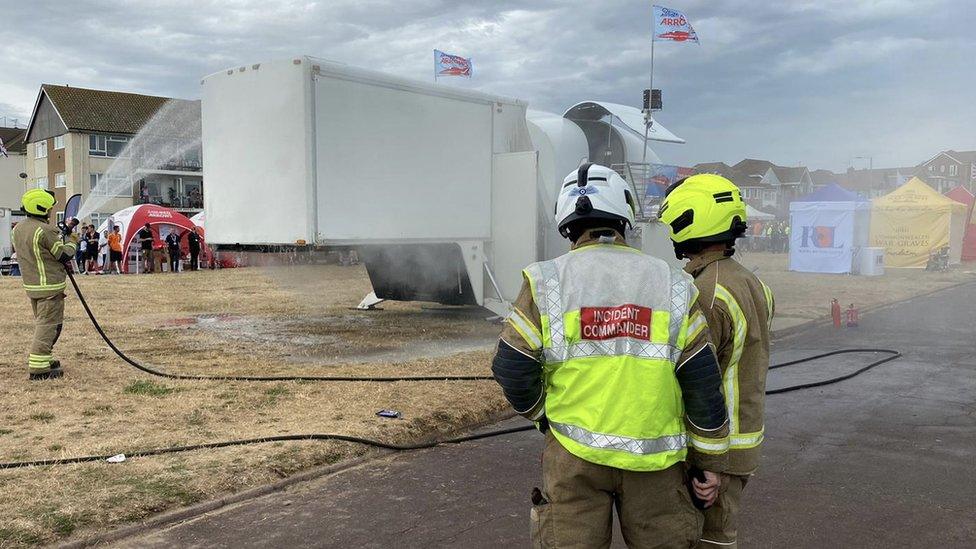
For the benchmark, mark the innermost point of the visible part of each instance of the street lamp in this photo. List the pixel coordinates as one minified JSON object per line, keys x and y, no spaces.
{"x":870,"y":160}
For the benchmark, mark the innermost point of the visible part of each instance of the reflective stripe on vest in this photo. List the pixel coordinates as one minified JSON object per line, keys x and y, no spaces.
{"x":614,"y":401}
{"x":639,"y":446}
{"x":769,"y":304}
{"x":41,"y":272}
{"x":730,"y":380}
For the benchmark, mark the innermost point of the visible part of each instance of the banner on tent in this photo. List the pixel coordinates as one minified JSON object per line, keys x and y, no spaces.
{"x":821,"y":240}
{"x":909,"y":236}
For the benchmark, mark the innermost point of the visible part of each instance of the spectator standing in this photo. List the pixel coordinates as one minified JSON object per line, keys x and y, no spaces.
{"x":145,"y":237}
{"x":115,"y":250}
{"x":193,"y":239}
{"x":173,"y":245}
{"x":103,"y":250}
{"x":81,"y":255}
{"x":92,"y":237}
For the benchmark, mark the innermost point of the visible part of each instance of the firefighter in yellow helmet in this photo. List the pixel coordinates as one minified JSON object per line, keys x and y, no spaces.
{"x":40,"y":253}
{"x":607,"y":350}
{"x":705,"y":215}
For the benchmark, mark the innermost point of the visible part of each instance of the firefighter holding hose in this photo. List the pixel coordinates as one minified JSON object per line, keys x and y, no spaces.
{"x":705,"y":215}
{"x":41,"y":251}
{"x":607,"y":350}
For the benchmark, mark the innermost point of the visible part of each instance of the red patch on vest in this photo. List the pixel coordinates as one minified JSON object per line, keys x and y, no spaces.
{"x":610,"y":322}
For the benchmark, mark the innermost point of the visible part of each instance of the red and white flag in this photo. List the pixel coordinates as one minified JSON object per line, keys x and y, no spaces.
{"x":672,"y":25}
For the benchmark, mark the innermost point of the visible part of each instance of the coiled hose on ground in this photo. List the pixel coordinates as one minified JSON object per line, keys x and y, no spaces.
{"x":892,"y":355}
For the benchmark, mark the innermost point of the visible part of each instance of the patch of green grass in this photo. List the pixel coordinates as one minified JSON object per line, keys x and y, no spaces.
{"x":148,"y":388}
{"x":274,"y":393}
{"x":163,"y":490}
{"x":43,"y":417}
{"x":6,"y":431}
{"x":61,"y":523}
{"x":55,"y":447}
{"x":18,"y":536}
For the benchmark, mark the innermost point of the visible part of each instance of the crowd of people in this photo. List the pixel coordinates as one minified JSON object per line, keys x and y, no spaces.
{"x":768,"y":236}
{"x":102,"y":253}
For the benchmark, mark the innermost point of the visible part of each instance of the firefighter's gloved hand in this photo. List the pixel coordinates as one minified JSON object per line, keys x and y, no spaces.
{"x":542,"y":425}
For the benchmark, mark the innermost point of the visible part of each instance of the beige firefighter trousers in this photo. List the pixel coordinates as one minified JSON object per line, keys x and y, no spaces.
{"x":48,"y":317}
{"x":654,"y":508}
{"x":721,"y":519}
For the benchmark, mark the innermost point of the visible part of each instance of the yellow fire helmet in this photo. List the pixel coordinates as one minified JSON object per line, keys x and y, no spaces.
{"x":38,"y":202}
{"x":703,"y":208}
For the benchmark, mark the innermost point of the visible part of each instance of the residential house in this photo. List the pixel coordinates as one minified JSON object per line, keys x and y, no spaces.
{"x":12,"y":164}
{"x":822,"y":178}
{"x":81,"y":141}
{"x":872,"y":183}
{"x":789,"y":182}
{"x":948,"y":170}
{"x":757,"y":193}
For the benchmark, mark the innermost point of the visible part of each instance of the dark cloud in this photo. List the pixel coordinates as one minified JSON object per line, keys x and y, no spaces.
{"x":816,"y":82}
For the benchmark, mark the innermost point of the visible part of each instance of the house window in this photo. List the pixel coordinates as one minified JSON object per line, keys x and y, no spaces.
{"x":98,"y":218}
{"x":116,"y":145}
{"x":41,"y":183}
{"x":942,"y":168}
{"x":59,"y":181}
{"x":96,"y":145}
{"x":107,"y":145}
{"x":59,"y":142}
{"x":40,"y":149}
{"x":931,"y":168}
{"x":953,"y":169}
{"x":107,"y":186}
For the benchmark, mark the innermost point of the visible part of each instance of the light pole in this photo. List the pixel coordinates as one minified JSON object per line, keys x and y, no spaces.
{"x":870,"y":160}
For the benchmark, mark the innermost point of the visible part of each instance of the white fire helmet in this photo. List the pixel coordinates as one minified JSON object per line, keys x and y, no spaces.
{"x":594,"y":191}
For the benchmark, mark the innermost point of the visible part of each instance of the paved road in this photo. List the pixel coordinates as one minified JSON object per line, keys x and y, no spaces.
{"x":882,"y":460}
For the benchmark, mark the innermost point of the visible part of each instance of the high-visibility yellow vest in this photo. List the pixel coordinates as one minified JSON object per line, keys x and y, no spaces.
{"x":614,"y":322}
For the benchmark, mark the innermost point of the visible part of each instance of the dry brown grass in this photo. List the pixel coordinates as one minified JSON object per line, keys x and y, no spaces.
{"x":276,"y":321}
{"x":801,"y":297}
{"x":104,"y":406}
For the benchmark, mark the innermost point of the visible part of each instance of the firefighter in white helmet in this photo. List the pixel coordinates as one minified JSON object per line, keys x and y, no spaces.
{"x":607,"y":350}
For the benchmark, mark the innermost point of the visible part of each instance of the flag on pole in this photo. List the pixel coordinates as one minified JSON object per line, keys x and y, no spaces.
{"x":3,"y":150}
{"x":672,"y":25}
{"x":446,"y":64}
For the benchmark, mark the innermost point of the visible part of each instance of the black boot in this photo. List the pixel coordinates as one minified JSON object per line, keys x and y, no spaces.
{"x":54,"y":373}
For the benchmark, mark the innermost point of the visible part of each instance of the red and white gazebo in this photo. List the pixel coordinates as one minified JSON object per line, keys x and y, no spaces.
{"x":162,"y":221}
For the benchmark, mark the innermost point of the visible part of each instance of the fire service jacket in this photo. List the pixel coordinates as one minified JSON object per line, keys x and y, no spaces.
{"x":40,"y":251}
{"x":609,"y":348}
{"x":739,"y":308}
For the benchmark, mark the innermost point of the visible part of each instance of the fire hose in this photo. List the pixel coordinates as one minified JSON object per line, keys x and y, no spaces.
{"x":891,"y":355}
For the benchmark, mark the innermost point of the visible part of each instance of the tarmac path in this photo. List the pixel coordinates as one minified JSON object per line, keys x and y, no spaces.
{"x":882,"y":460}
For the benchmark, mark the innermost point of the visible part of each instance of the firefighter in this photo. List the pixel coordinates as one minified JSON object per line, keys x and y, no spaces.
{"x":41,"y":252}
{"x":705,"y":215}
{"x":607,"y":350}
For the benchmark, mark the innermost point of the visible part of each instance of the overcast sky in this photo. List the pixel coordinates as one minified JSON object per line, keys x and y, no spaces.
{"x":814,"y":82}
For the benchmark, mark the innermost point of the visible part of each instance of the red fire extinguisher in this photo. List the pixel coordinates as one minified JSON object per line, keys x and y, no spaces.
{"x":835,"y":312}
{"x":851,"y":316}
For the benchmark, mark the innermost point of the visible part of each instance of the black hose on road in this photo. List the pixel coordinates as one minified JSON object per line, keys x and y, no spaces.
{"x":378,"y":443}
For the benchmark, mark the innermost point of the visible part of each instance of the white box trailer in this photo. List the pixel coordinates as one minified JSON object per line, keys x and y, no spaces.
{"x":447,"y":194}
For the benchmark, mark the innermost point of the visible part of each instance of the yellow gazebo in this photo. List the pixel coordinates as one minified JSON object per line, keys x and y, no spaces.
{"x":915,"y":220}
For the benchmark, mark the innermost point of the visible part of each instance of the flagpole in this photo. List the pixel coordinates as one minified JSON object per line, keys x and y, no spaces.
{"x":650,"y":98}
